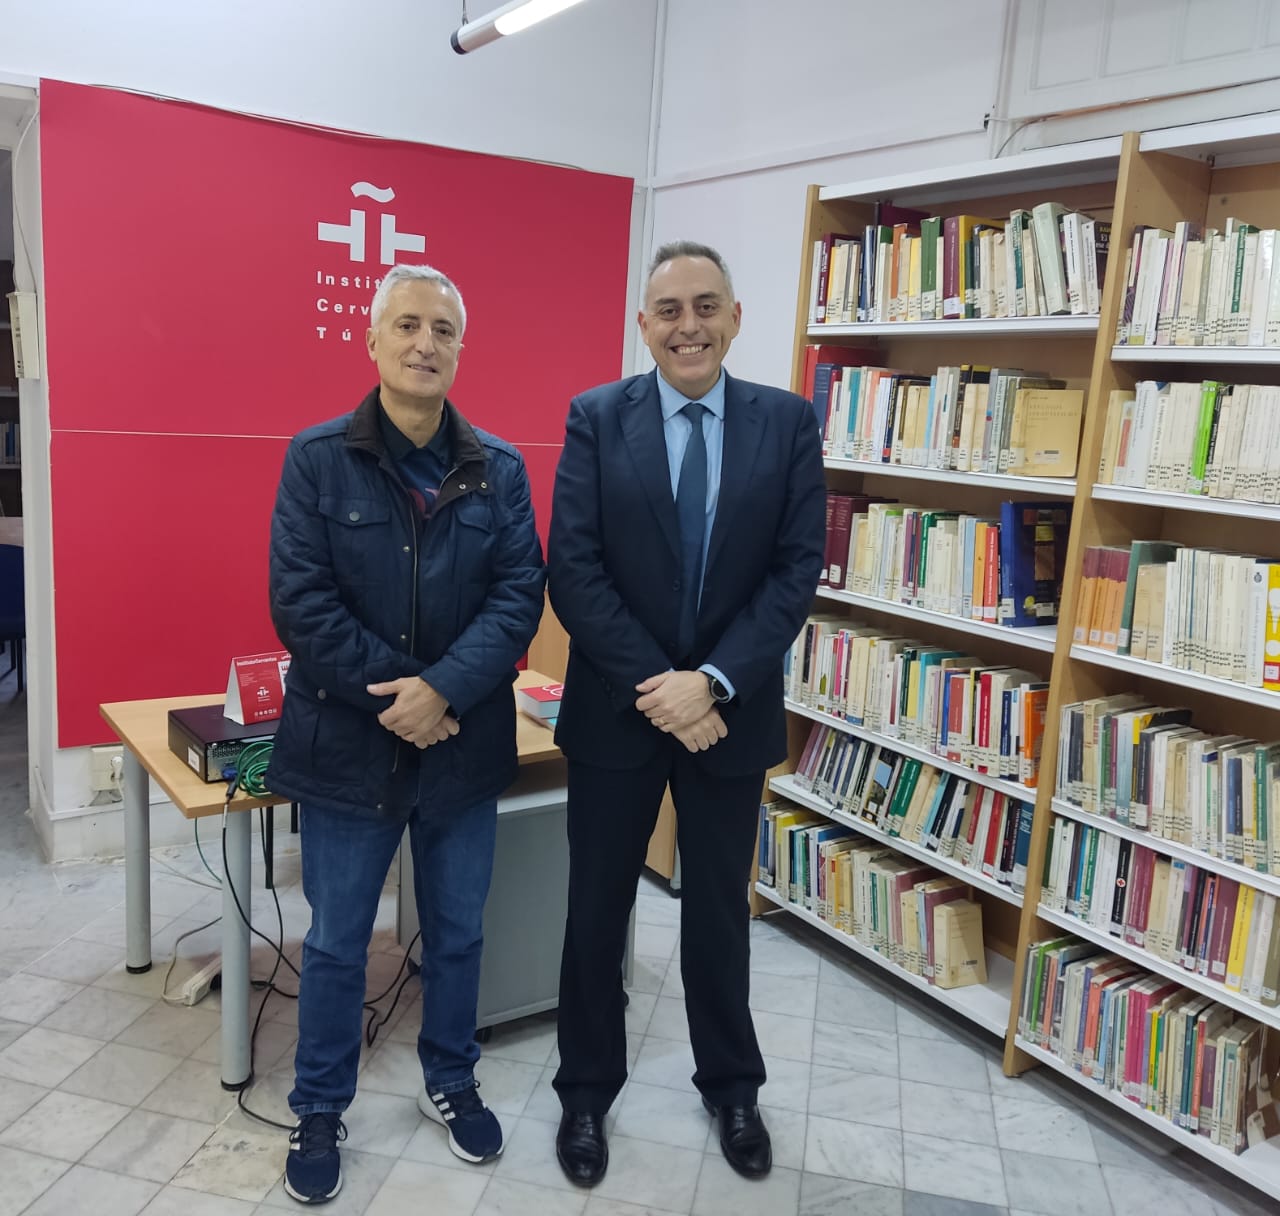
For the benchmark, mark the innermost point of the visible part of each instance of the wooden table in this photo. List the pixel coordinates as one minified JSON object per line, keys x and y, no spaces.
{"x":143,"y":728}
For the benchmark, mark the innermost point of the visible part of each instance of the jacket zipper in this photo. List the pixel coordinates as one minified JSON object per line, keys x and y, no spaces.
{"x":413,"y":599}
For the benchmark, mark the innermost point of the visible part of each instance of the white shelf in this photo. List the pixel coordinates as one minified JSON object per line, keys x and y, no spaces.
{"x":1187,"y":502}
{"x":1169,"y":848}
{"x":1260,"y":1167}
{"x":1196,"y":354}
{"x":1249,"y":139}
{"x":1144,"y":958}
{"x":986,"y":1004}
{"x":1260,"y":698}
{"x":790,"y":788}
{"x":1000,"y":481}
{"x":1033,"y":637}
{"x":1041,"y":169}
{"x":992,"y":327}
{"x":1011,"y":789}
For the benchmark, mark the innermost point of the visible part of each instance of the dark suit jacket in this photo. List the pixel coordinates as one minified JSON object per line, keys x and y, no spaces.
{"x":614,"y":568}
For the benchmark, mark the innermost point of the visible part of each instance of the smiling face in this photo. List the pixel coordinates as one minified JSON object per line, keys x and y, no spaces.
{"x":688,"y":322}
{"x":416,"y":344}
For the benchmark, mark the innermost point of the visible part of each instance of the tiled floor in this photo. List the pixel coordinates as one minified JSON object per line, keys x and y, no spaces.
{"x":879,"y":1103}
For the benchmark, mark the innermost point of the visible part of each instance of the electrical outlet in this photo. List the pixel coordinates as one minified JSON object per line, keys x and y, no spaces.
{"x":197,"y":986}
{"x":105,"y":765}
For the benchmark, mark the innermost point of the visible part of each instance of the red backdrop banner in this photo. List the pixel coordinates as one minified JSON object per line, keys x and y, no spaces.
{"x":207,"y":283}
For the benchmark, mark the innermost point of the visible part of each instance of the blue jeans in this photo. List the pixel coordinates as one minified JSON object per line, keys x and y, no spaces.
{"x":344,"y":865}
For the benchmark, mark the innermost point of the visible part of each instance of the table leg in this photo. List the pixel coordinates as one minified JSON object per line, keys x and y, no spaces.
{"x":137,"y":865}
{"x":236,"y":1063}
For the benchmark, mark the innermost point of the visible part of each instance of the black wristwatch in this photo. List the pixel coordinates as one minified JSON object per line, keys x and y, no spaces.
{"x":719,"y":693}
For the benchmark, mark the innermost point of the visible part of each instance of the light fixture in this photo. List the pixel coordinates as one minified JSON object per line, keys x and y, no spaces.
{"x":509,"y":19}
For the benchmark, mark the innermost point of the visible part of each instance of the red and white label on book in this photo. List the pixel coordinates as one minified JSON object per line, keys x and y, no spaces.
{"x":255,"y":687}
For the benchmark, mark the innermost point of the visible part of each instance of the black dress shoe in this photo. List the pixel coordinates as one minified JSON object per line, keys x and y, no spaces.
{"x":744,"y":1139}
{"x":581,"y":1148}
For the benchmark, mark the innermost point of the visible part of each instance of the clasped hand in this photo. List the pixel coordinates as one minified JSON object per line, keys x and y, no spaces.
{"x":679,"y":703}
{"x":418,"y":713}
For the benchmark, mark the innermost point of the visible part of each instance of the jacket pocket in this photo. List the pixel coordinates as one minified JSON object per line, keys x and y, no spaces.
{"x":359,"y":537}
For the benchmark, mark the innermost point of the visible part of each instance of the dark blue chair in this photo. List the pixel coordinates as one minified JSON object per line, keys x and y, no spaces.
{"x":13,"y":610}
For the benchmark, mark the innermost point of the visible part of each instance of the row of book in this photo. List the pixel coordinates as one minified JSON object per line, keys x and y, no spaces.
{"x":10,"y":443}
{"x":1207,"y":923}
{"x":1146,"y":766}
{"x":1006,"y":570}
{"x":1175,"y":1053}
{"x":918,"y":919}
{"x":990,"y":718}
{"x":1201,"y":286}
{"x":908,"y":265}
{"x":979,"y":828}
{"x":1194,"y":437}
{"x":964,"y":417}
{"x":1200,"y":610}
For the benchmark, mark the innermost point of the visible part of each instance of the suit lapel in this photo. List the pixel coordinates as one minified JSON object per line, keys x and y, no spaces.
{"x":743,"y":431}
{"x":641,"y":423}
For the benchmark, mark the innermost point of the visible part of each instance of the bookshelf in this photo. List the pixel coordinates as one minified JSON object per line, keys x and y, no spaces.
{"x":986,"y":1004}
{"x":790,"y":789}
{"x":1033,"y":637}
{"x":1201,"y":173}
{"x":1049,"y":486}
{"x":1011,"y":789}
{"x":1219,"y":356}
{"x":997,"y":327}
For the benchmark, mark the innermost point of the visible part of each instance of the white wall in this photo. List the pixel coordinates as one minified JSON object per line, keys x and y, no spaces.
{"x":760,"y":99}
{"x":573,"y":90}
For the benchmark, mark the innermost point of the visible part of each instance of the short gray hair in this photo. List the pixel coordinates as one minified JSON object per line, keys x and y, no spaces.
{"x":688,"y":249}
{"x":404,"y":273}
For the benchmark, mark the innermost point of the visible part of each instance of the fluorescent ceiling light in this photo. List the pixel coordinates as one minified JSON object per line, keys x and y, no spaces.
{"x":509,"y":19}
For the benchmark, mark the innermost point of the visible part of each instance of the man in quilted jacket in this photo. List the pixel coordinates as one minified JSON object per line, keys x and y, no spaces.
{"x":406,"y":581}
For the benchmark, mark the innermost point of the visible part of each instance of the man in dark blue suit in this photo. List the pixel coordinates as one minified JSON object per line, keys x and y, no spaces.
{"x":686,"y":543}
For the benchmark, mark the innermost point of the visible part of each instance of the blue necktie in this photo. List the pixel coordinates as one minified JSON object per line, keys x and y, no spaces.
{"x":691,"y":507}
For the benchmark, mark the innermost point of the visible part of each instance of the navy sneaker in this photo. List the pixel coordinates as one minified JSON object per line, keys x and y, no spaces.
{"x":474,"y":1131}
{"x":313,"y":1172}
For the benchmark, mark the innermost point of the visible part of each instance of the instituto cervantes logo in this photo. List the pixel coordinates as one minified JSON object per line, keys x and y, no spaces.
{"x":355,"y":236}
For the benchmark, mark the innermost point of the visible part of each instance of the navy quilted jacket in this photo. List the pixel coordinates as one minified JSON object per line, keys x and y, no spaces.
{"x":359,"y":595}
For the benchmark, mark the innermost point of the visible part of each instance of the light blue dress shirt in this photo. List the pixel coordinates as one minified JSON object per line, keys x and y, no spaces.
{"x":676,"y":429}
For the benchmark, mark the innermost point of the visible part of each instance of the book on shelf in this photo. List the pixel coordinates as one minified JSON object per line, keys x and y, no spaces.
{"x":1206,"y":438}
{"x":960,"y":958}
{"x":966,"y":417}
{"x":1045,"y":432}
{"x":1032,"y":557}
{"x":1198,"y":610}
{"x":1005,"y":571}
{"x":908,"y":265}
{"x":1196,"y":919}
{"x":905,"y":798}
{"x":1176,"y":1053}
{"x":889,"y":903}
{"x":1149,"y":768}
{"x":1201,"y":286}
{"x":987,"y":717}
{"x":823,"y":367}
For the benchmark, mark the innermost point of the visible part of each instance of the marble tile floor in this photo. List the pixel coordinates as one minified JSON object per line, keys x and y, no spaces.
{"x":879,"y":1102}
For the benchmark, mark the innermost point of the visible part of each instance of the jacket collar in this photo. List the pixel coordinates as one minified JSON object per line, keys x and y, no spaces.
{"x":364,"y":431}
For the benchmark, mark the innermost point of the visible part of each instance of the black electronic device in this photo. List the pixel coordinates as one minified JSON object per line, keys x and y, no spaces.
{"x":207,"y":741}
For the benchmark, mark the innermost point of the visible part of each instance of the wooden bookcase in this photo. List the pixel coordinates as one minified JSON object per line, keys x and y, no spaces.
{"x":1204,"y":173}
